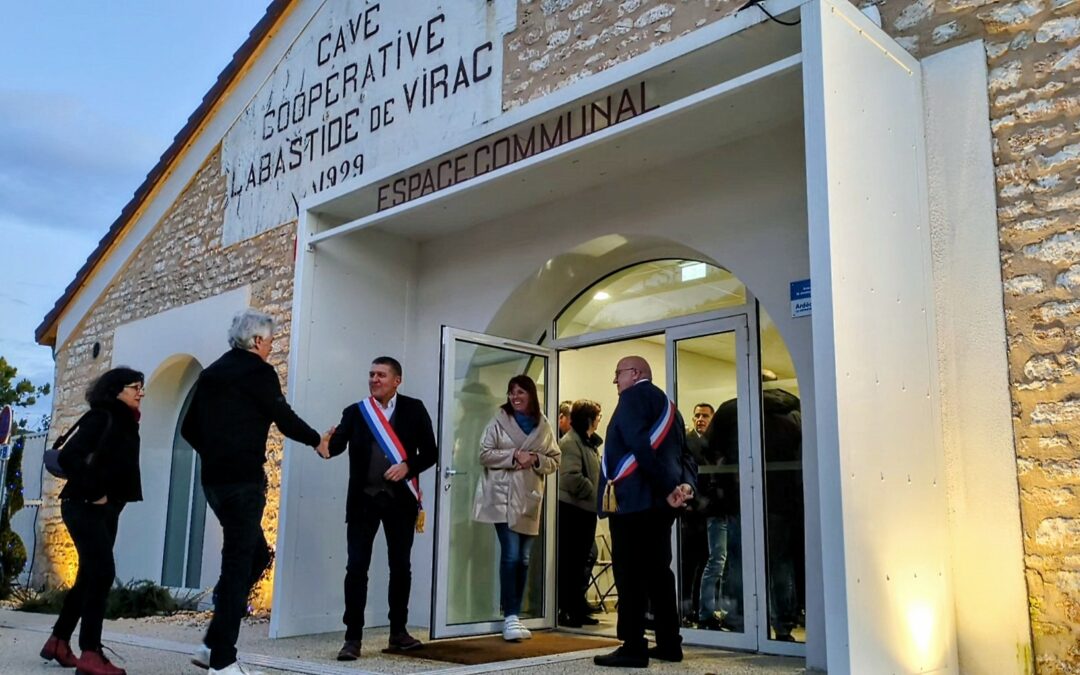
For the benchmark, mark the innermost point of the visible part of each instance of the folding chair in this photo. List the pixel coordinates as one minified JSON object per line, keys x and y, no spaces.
{"x":604,"y":588}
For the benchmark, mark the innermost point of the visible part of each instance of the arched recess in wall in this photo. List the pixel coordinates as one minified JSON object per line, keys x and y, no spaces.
{"x":172,"y":491}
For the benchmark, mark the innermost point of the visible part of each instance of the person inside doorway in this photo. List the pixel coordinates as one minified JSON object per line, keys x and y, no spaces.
{"x":579,"y":475}
{"x":693,"y":539}
{"x":695,"y":438}
{"x":391,"y":442}
{"x":646,"y":478}
{"x":564,"y":418}
{"x":518,"y":450}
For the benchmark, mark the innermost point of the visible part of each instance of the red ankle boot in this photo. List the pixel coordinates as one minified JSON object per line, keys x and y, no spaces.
{"x":93,"y":662}
{"x":58,"y":650}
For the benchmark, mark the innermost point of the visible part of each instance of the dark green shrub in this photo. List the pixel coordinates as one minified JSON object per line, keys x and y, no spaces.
{"x":12,"y":550}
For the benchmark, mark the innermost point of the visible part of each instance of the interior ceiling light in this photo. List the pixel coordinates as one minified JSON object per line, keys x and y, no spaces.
{"x":602,"y":295}
{"x":694,"y":270}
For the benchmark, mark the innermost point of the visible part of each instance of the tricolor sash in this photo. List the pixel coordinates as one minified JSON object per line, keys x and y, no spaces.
{"x":628,"y":464}
{"x":388,"y":441}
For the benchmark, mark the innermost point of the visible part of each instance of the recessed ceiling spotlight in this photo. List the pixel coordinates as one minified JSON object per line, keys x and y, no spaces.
{"x":602,"y":295}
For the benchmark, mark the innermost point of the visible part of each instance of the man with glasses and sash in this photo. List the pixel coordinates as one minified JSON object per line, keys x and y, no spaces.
{"x":390,"y":442}
{"x":646,"y":475}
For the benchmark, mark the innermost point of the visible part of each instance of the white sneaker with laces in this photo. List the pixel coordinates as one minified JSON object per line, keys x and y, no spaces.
{"x":236,"y":669}
{"x":512,"y":629}
{"x":201,"y":657}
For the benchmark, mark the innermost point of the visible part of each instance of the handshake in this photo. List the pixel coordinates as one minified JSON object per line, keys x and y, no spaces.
{"x":324,"y":444}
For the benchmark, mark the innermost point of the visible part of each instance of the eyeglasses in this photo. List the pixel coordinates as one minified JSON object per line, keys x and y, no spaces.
{"x":622,"y":370}
{"x":136,"y":387}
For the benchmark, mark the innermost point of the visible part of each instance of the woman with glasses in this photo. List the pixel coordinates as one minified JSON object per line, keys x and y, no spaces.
{"x":101,"y":462}
{"x":579,"y":475}
{"x":518,"y":450}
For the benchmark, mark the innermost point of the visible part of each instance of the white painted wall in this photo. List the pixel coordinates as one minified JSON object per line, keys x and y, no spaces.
{"x":170,"y":354}
{"x":352,"y":303}
{"x":992,"y":620}
{"x":888,"y":590}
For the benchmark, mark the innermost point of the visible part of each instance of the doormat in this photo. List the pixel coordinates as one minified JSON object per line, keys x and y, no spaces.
{"x":492,"y":648}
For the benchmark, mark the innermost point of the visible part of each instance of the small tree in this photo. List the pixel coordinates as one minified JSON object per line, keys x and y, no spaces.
{"x":18,"y":393}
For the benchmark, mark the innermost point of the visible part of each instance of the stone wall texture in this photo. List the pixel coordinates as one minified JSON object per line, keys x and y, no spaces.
{"x":180,"y":262}
{"x":1033,"y":56}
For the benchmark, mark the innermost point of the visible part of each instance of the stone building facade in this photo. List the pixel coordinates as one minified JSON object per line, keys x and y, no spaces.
{"x":1033,"y":56}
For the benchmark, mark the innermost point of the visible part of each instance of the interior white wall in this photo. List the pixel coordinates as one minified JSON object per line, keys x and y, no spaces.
{"x":587,"y":373}
{"x":887,"y":581}
{"x":992,"y":621}
{"x":163,"y":347}
{"x":358,"y":294}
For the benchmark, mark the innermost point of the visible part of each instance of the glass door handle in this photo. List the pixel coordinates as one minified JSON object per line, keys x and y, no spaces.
{"x":447,"y":473}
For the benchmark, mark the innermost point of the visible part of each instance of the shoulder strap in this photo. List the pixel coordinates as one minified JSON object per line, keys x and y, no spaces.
{"x":63,"y":438}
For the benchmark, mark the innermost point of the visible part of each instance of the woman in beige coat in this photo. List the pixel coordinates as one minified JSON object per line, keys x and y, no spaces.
{"x":518,"y":449}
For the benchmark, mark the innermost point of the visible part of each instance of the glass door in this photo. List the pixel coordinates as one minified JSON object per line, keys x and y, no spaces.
{"x":709,"y":366}
{"x":475,"y":372}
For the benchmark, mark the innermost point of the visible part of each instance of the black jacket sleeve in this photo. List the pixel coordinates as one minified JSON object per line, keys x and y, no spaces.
{"x":426,"y":450}
{"x":339,"y":440}
{"x":77,"y":455}
{"x":268,"y":396}
{"x":191,"y":428}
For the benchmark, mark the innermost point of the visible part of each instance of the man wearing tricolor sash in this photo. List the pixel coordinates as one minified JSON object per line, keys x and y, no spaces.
{"x":647,"y":474}
{"x":391,"y":442}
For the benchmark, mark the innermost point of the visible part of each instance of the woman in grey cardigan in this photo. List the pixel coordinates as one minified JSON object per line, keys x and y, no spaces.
{"x":579,"y":475}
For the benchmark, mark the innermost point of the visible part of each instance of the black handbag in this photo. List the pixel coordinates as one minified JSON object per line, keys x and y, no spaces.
{"x":52,"y":456}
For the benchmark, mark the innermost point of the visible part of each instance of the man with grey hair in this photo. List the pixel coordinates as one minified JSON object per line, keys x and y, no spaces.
{"x":236,"y":399}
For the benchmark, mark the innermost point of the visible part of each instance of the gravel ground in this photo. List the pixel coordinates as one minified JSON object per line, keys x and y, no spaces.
{"x":161,"y":645}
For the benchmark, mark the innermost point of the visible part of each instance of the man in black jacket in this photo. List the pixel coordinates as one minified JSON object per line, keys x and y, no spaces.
{"x":390,"y":442}
{"x":236,"y":399}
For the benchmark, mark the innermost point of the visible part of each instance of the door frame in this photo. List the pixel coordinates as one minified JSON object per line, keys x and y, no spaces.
{"x":445,"y":473}
{"x":750,"y":505}
{"x":756,"y":639}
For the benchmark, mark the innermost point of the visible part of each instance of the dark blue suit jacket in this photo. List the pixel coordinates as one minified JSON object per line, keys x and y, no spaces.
{"x":659,"y":471}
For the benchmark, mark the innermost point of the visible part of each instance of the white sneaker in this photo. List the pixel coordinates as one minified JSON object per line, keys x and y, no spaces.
{"x":236,"y":669}
{"x":512,"y":629}
{"x":201,"y":657}
{"x":524,"y":632}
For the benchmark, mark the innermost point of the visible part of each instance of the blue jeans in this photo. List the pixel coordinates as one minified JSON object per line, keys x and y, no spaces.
{"x":513,"y":567}
{"x":716,"y":529}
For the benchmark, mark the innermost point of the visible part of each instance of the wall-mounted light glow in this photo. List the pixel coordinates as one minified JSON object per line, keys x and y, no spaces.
{"x":602,"y":295}
{"x":922,"y":625}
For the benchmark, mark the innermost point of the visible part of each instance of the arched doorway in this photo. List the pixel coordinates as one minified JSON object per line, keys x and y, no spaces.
{"x":739,"y":552}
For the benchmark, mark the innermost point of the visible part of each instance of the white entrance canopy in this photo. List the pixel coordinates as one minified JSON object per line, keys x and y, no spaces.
{"x":880,"y":592}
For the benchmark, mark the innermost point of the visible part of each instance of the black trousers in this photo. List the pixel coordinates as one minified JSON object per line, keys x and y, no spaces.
{"x":398,"y":518}
{"x":93,"y":530}
{"x":244,"y":557}
{"x":641,"y":561}
{"x":577,"y":530}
